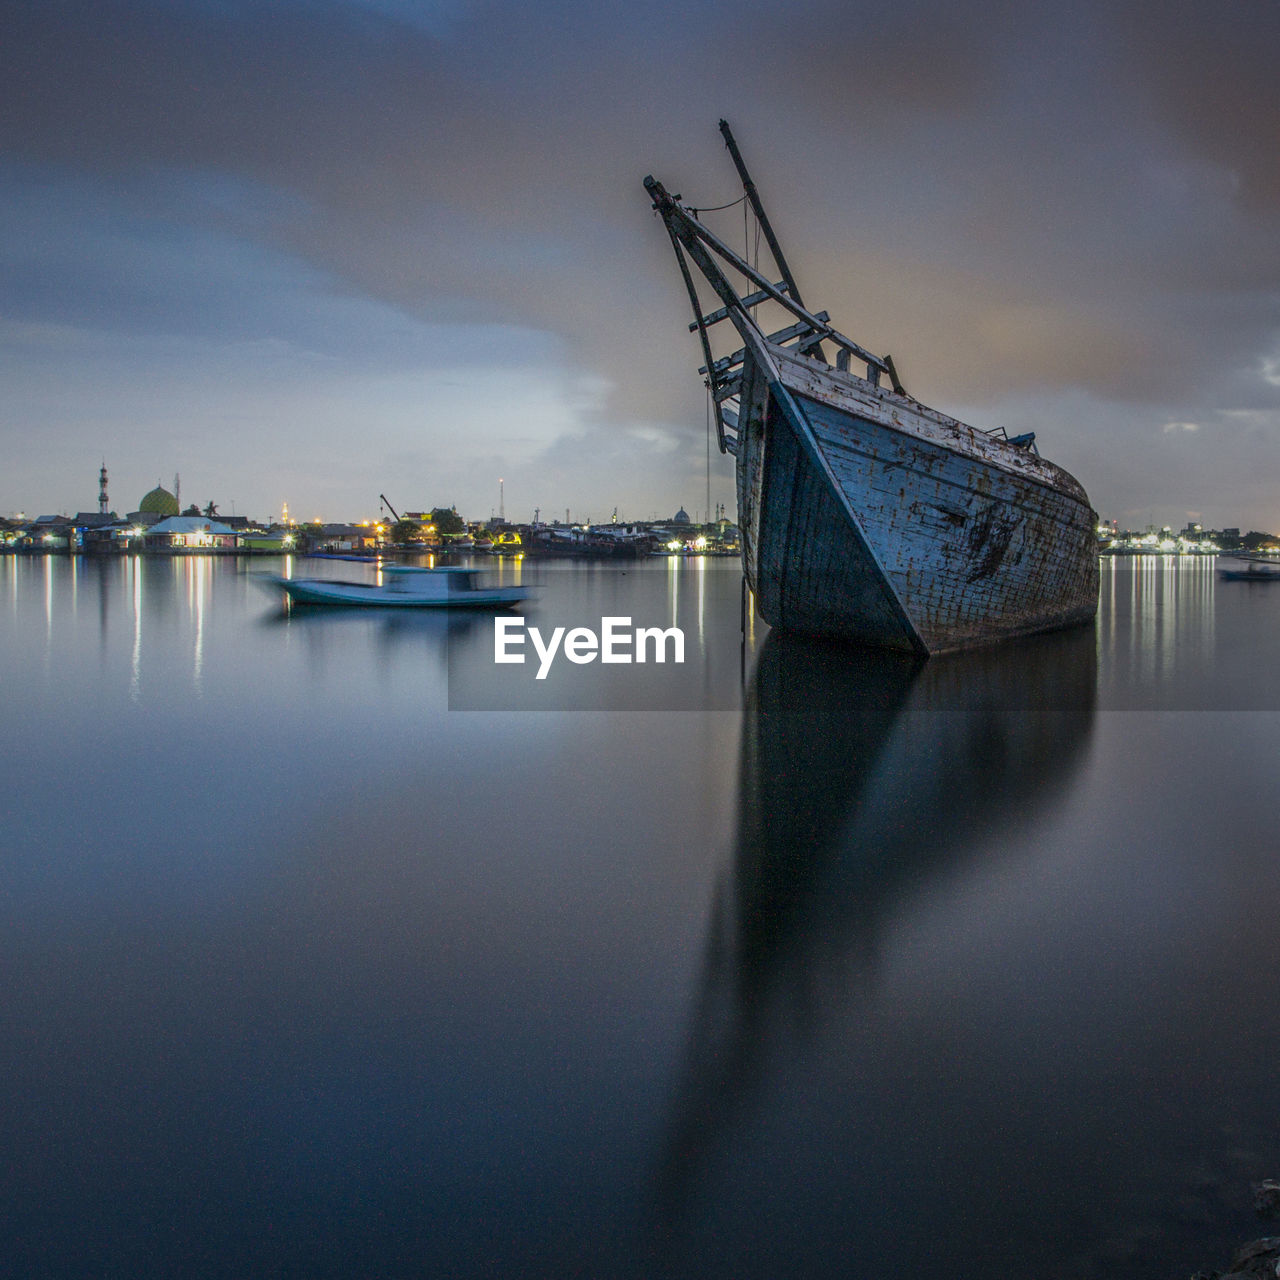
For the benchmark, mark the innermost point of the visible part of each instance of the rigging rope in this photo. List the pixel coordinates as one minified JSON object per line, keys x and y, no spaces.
{"x":707,"y":519}
{"x":718,"y":207}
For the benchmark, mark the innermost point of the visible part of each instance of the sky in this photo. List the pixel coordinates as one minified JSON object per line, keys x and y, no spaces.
{"x":315,"y":251}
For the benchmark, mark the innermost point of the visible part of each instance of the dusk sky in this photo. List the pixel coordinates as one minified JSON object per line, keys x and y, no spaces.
{"x":316,"y":251}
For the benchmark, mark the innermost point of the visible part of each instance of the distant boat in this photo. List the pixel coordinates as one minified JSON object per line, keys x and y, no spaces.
{"x":1257,"y":569}
{"x":404,"y":587}
{"x":864,"y":514}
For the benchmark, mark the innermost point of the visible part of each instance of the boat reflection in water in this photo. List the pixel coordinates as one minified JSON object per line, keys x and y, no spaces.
{"x":864,"y":779}
{"x":328,"y":630}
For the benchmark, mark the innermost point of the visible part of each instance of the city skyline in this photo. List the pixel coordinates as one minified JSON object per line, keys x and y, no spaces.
{"x":283,"y":515}
{"x":316,"y":252}
{"x":412,"y":511}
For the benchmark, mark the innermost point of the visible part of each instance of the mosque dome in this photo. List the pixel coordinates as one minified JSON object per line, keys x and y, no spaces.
{"x":159,"y":502}
{"x":681,"y":517}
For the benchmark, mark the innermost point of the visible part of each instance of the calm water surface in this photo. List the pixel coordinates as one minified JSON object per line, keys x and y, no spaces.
{"x":791,"y":961}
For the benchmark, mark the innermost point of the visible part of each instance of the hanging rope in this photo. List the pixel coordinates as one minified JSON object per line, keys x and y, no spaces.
{"x":707,"y":519}
{"x":717,"y":208}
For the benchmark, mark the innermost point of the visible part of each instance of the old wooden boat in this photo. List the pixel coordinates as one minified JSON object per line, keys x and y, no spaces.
{"x":866,"y":515}
{"x":406,"y":587}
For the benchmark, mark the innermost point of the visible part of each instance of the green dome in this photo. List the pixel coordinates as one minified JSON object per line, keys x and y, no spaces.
{"x":159,"y":502}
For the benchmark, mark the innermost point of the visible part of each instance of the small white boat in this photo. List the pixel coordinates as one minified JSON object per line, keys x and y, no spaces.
{"x":405,"y":586}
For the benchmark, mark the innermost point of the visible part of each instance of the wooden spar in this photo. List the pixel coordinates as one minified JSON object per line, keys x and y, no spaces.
{"x":754,"y":197}
{"x":700,"y":325}
{"x":894,"y":380}
{"x":714,"y":317}
{"x":691,"y":232}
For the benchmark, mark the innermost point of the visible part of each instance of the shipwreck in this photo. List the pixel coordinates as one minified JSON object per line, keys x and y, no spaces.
{"x":866,"y":515}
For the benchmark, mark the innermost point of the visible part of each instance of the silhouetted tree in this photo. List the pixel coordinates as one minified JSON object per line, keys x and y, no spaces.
{"x":447,"y":521}
{"x":406,"y":531}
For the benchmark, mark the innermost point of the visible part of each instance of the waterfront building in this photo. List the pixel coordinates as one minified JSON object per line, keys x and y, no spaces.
{"x":344,"y":537}
{"x":277,"y":541}
{"x":100,"y":531}
{"x":47,"y":533}
{"x":185,"y":532}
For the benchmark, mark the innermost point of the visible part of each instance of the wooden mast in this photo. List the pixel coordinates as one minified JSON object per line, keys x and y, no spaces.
{"x":753,"y":197}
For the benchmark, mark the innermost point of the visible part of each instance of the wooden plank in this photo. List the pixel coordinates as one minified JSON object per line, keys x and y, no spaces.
{"x":783,"y":335}
{"x":729,"y":388}
{"x":751,"y":300}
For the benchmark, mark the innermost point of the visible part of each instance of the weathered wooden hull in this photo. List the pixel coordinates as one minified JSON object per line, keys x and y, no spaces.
{"x":869,"y":517}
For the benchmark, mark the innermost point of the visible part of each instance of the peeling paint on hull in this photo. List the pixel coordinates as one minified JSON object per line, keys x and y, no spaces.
{"x":869,"y":517}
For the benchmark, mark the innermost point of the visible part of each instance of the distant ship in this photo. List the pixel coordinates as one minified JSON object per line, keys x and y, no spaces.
{"x":865,"y":515}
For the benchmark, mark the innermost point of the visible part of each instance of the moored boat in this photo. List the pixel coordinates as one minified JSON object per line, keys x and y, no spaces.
{"x":1256,"y":569}
{"x":405,"y":586}
{"x":866,"y":515}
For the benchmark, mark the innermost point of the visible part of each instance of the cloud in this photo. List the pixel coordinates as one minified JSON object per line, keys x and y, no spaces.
{"x":1017,"y":203}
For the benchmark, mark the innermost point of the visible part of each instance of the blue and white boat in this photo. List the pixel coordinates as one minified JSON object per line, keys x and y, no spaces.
{"x":407,"y":587}
{"x":865,"y":515}
{"x":1256,"y":569}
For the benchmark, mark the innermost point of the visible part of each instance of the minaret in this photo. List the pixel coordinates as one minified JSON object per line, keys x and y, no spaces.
{"x":104,"y":503}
